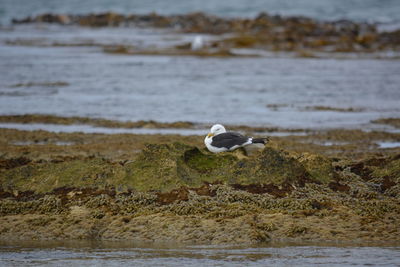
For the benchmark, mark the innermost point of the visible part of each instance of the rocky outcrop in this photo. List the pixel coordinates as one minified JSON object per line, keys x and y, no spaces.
{"x":164,"y":167}
{"x":175,"y":192}
{"x":274,"y":33}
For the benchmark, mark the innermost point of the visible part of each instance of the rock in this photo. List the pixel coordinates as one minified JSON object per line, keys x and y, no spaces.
{"x":101,"y":20}
{"x":164,"y":167}
{"x":168,"y":166}
{"x":64,"y":19}
{"x":264,"y":31}
{"x":271,"y":167}
{"x":319,"y":167}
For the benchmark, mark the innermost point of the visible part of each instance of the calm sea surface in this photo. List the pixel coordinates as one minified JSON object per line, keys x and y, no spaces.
{"x":40,"y":76}
{"x":278,"y":91}
{"x":81,"y":253}
{"x":382,"y":11}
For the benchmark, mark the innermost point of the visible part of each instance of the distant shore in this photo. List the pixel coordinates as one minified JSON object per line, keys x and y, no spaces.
{"x":333,"y":185}
{"x":305,"y":36}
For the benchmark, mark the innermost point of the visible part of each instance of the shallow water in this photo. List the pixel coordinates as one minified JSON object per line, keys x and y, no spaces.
{"x":385,"y":144}
{"x":384,"y":11}
{"x":273,"y":91}
{"x":84,"y":253}
{"x":84,"y":128}
{"x":59,"y":128}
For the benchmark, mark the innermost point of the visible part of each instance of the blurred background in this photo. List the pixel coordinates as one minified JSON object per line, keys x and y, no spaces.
{"x":306,"y":64}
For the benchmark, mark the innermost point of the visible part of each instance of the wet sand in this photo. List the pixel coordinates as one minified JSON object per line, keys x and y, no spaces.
{"x":327,"y":185}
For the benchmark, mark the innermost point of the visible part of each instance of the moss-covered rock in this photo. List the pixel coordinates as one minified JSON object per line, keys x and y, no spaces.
{"x":388,"y":168}
{"x":45,"y":176}
{"x":277,"y":167}
{"x":116,"y":187}
{"x":164,"y":167}
{"x":382,"y":173}
{"x":319,"y":167}
{"x":168,"y":166}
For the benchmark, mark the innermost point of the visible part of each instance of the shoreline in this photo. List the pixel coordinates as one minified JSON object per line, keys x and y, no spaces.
{"x":305,"y":36}
{"x":74,"y":243}
{"x":48,"y":119}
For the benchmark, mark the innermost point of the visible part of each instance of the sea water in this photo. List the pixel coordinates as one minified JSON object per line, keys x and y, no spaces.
{"x":382,"y":11}
{"x":281,"y":92}
{"x":97,"y":253}
{"x":48,"y":69}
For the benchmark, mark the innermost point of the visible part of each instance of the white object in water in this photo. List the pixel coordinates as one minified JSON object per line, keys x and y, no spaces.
{"x":197,"y":43}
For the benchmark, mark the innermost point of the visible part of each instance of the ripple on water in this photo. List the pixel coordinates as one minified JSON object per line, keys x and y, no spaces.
{"x":386,"y":144}
{"x":116,"y":253}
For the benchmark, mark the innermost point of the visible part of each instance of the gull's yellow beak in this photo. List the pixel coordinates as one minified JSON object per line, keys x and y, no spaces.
{"x":210,"y":135}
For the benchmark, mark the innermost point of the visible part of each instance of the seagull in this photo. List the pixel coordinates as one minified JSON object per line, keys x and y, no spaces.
{"x":219,"y":140}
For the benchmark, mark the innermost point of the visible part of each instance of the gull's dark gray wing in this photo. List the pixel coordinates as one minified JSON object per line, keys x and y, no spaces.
{"x":229,"y":140}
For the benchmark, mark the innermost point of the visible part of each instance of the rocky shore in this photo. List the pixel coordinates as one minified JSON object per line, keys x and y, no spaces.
{"x":264,"y":32}
{"x":168,"y":188}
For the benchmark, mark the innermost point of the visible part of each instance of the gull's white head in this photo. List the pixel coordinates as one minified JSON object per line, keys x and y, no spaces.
{"x":216,"y":130}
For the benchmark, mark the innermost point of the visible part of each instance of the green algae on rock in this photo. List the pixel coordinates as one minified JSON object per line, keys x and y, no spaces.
{"x":174,"y":191}
{"x":47,"y":176}
{"x":164,"y":167}
{"x":319,"y":167}
{"x":227,"y":217}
